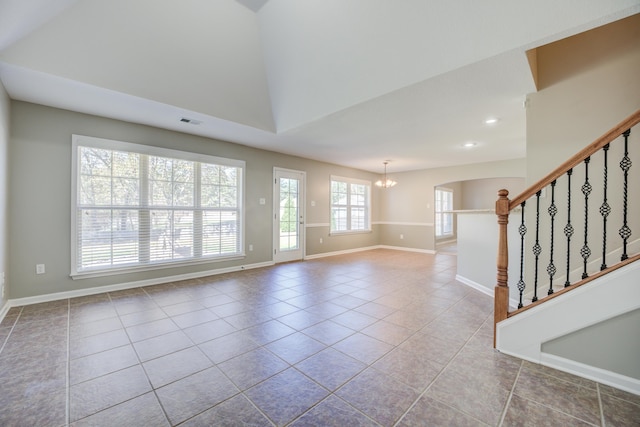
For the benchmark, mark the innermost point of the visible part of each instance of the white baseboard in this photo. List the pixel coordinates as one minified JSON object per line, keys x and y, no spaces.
{"x":367,"y":248}
{"x":17,"y":302}
{"x":4,"y":310}
{"x":402,"y":248}
{"x":513,"y":304}
{"x":344,"y":252}
{"x":632,"y":385}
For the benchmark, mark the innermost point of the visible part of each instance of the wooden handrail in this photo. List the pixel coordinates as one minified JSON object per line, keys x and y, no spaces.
{"x":578,"y":158}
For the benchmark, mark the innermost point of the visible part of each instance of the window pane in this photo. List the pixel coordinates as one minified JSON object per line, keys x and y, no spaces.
{"x":161,"y":235}
{"x":94,"y":237}
{"x":182,"y":194}
{"x":95,"y":162}
{"x":126,"y":192}
{"x":210,"y":174}
{"x":358,"y":219}
{"x":210,"y":196}
{"x":339,"y":219}
{"x":447,"y":221}
{"x":160,"y":193}
{"x":95,"y":191}
{"x":338,"y":193}
{"x":125,"y":236}
{"x":228,"y":197}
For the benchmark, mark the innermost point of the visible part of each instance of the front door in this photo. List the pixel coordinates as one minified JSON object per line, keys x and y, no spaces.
{"x":289,"y":215}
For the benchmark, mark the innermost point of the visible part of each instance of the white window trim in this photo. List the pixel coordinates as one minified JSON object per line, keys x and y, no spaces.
{"x":351,"y":181}
{"x":89,"y":141}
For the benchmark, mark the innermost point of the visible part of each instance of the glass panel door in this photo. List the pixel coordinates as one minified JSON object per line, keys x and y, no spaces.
{"x":289,"y":215}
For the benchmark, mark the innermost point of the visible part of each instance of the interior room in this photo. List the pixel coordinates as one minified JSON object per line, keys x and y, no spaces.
{"x":271,"y":212}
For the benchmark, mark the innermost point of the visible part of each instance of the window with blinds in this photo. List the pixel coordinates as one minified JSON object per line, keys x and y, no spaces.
{"x":350,"y":205}
{"x":443,"y":216}
{"x":138,"y":207}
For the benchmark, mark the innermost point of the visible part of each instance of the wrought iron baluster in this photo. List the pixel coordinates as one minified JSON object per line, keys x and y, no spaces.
{"x":625,"y":165}
{"x":553,"y":210}
{"x":522,"y":230}
{"x":586,"y":190}
{"x":537,"y":250}
{"x":568,"y":229}
{"x":605,"y":210}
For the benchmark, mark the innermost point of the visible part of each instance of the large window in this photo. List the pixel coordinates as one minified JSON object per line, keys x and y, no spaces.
{"x":350,"y":205}
{"x":443,"y":208}
{"x":137,"y":206}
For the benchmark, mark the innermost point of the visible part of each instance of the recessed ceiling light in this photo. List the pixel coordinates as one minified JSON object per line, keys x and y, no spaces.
{"x":469,"y":144}
{"x":491,"y":121}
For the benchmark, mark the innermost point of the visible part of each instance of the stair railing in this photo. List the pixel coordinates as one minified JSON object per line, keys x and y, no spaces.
{"x":561,"y":240}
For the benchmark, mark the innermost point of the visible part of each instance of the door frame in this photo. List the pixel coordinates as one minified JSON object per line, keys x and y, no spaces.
{"x":297,"y":255}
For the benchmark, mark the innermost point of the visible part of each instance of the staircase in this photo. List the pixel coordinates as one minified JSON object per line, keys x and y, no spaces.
{"x":577,"y":262}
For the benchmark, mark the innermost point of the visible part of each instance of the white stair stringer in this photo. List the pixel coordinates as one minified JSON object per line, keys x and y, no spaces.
{"x":609,"y":296}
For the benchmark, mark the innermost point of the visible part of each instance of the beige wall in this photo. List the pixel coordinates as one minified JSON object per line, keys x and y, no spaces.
{"x":4,"y":190}
{"x":588,"y":84}
{"x":483,"y":193}
{"x":407,"y":208}
{"x":40,"y":197}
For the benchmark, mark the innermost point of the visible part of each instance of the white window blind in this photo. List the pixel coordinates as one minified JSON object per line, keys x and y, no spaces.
{"x":350,"y":205}
{"x":444,"y":219}
{"x":138,"y":206}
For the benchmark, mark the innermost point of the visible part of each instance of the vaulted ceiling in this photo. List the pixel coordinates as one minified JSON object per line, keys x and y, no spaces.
{"x":351,"y":82}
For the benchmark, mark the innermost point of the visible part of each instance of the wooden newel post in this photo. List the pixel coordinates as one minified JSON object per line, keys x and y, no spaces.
{"x":501,"y":291}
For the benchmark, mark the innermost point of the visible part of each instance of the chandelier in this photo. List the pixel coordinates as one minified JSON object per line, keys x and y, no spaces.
{"x":385,"y":182}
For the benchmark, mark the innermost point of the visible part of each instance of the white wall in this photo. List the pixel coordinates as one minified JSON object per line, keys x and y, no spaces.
{"x":478,"y":251}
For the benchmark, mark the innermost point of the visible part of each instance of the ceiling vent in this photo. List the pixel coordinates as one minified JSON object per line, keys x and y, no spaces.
{"x":190,"y":121}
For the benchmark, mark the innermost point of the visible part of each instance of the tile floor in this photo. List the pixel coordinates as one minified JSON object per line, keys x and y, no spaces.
{"x":374,"y":338}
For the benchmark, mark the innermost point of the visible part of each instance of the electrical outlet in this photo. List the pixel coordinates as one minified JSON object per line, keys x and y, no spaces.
{"x":40,"y":269}
{"x":321,"y":240}
{"x":401,"y":236}
{"x":250,"y":248}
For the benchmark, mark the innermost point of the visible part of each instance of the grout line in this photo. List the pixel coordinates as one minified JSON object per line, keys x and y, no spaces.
{"x":68,"y":373}
{"x":15,"y":322}
{"x":508,"y":402}
{"x":602,"y":420}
